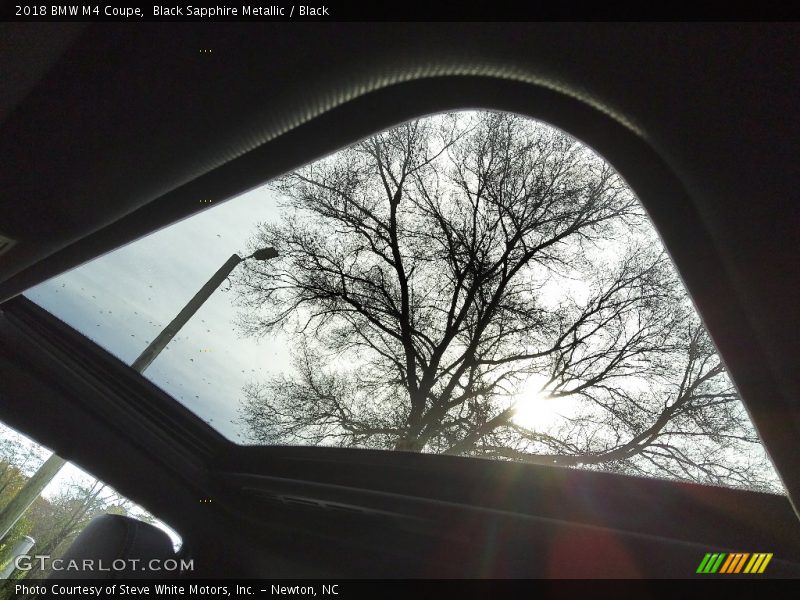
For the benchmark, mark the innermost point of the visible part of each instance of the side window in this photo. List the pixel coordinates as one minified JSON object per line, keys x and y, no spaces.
{"x":56,"y":514}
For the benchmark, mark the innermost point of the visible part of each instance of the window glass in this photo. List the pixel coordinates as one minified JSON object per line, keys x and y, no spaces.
{"x":57,"y":514}
{"x":474,"y":283}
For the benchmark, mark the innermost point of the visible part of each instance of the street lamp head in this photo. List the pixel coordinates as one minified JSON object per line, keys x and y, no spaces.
{"x":264,"y":253}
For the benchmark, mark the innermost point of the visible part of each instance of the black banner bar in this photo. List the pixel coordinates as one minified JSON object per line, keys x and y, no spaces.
{"x":374,"y":589}
{"x":361,"y":11}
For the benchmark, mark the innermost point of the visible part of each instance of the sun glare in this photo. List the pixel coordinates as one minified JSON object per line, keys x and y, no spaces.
{"x":535,"y":409}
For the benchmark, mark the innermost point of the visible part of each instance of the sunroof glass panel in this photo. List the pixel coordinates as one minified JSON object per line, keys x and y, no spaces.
{"x":474,"y":283}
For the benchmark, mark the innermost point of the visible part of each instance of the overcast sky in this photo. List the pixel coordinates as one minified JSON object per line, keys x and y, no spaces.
{"x":123,"y":299}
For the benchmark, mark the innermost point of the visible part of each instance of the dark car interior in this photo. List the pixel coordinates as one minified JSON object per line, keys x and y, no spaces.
{"x":110,"y":131}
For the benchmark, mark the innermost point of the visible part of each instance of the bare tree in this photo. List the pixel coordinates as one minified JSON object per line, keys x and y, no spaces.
{"x":430,"y":273}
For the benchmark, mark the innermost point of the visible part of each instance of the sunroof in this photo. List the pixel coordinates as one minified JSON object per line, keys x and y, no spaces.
{"x":475,"y":283}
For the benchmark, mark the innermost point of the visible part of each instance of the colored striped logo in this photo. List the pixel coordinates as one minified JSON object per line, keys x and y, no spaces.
{"x":736,"y":562}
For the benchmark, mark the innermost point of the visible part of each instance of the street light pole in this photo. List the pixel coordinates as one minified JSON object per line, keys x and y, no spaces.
{"x":28,"y":493}
{"x":155,"y":347}
{"x":33,"y":487}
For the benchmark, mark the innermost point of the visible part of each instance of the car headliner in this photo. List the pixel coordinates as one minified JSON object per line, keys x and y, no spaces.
{"x":111,"y":131}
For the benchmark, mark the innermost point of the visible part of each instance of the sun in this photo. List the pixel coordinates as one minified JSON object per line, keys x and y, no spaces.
{"x":535,"y":409}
